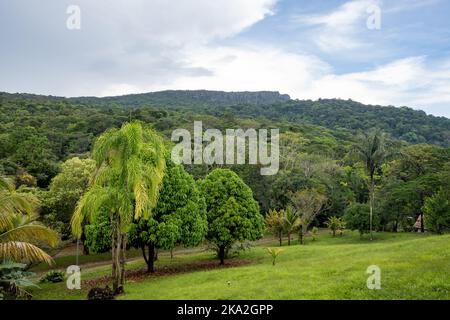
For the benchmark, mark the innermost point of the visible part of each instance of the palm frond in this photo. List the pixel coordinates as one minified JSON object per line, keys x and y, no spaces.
{"x":91,"y":203}
{"x":23,"y":252}
{"x":33,"y":232}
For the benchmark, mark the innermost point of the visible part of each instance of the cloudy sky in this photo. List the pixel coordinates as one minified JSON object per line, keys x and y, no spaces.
{"x":307,"y":48}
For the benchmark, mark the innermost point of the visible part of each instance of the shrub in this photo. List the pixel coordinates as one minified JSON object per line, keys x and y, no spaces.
{"x":336,"y":225}
{"x":53,"y":276}
{"x":314,"y":233}
{"x":14,"y":281}
{"x":274,"y":253}
{"x":101,"y":294}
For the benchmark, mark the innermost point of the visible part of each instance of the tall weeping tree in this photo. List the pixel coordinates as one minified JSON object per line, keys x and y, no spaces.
{"x":130,"y":166}
{"x":372,"y":151}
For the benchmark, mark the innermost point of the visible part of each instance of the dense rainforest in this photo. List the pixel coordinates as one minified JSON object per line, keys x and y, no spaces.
{"x":40,"y":136}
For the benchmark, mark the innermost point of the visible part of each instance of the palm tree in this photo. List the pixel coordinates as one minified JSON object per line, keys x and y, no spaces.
{"x":130,"y":167}
{"x":291,"y":222}
{"x":372,"y":151}
{"x":334,"y":224}
{"x":19,"y":229}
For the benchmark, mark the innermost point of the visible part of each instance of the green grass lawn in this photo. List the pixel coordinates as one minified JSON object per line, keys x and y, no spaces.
{"x":413,"y":266}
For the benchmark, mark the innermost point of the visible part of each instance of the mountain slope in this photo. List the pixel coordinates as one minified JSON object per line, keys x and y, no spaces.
{"x":403,"y":123}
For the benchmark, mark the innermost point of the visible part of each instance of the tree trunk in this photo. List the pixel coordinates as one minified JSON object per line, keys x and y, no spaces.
{"x":123,"y":259}
{"x":301,"y":235}
{"x":371,"y":201}
{"x":151,"y":258}
{"x":280,"y":237}
{"x":222,"y":255}
{"x":113,"y":252}
{"x":83,"y":240}
{"x":334,"y":233}
{"x":289,"y":238}
{"x":422,"y":226}
{"x":117,"y":281}
{"x":144,"y":254}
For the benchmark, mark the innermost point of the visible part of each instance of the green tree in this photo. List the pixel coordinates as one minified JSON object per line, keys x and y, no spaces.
{"x":66,"y":190}
{"x":34,"y":154}
{"x":130,"y":167}
{"x":232,"y":213}
{"x":372,"y":151}
{"x":307,"y":205}
{"x":179,"y":217}
{"x":437,"y":211}
{"x":97,"y":234}
{"x":274,"y":223}
{"x":356,"y":218}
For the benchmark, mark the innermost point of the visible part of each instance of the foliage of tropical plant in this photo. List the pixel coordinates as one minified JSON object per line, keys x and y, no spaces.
{"x":130,"y":166}
{"x":232,"y":212}
{"x":291,"y":222}
{"x":274,"y":253}
{"x":19,"y":229}
{"x":335,"y":224}
{"x":307,"y":204}
{"x":437,"y":211}
{"x":14,"y":280}
{"x":274,"y":223}
{"x":53,"y":276}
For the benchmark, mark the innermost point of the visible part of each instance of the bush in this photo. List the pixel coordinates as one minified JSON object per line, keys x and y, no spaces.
{"x":336,"y":225}
{"x":101,"y":294}
{"x":14,"y":280}
{"x":53,"y":276}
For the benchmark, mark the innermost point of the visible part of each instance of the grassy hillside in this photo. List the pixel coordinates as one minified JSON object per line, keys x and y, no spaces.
{"x":412,"y":266}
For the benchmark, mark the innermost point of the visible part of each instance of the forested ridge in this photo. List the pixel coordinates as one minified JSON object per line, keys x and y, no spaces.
{"x":413,"y":126}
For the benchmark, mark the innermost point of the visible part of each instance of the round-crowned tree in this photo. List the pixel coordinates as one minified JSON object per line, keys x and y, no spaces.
{"x":179,"y":218}
{"x":437,"y":211}
{"x":232,"y":212}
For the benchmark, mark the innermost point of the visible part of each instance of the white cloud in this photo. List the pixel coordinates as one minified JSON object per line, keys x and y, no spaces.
{"x":406,"y":82}
{"x":252,"y":68}
{"x":339,"y":29}
{"x":121,"y":45}
{"x":404,"y":5}
{"x":410,"y":82}
{"x":154,"y":45}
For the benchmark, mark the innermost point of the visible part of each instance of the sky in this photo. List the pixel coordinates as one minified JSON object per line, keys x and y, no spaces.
{"x":384,"y":52}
